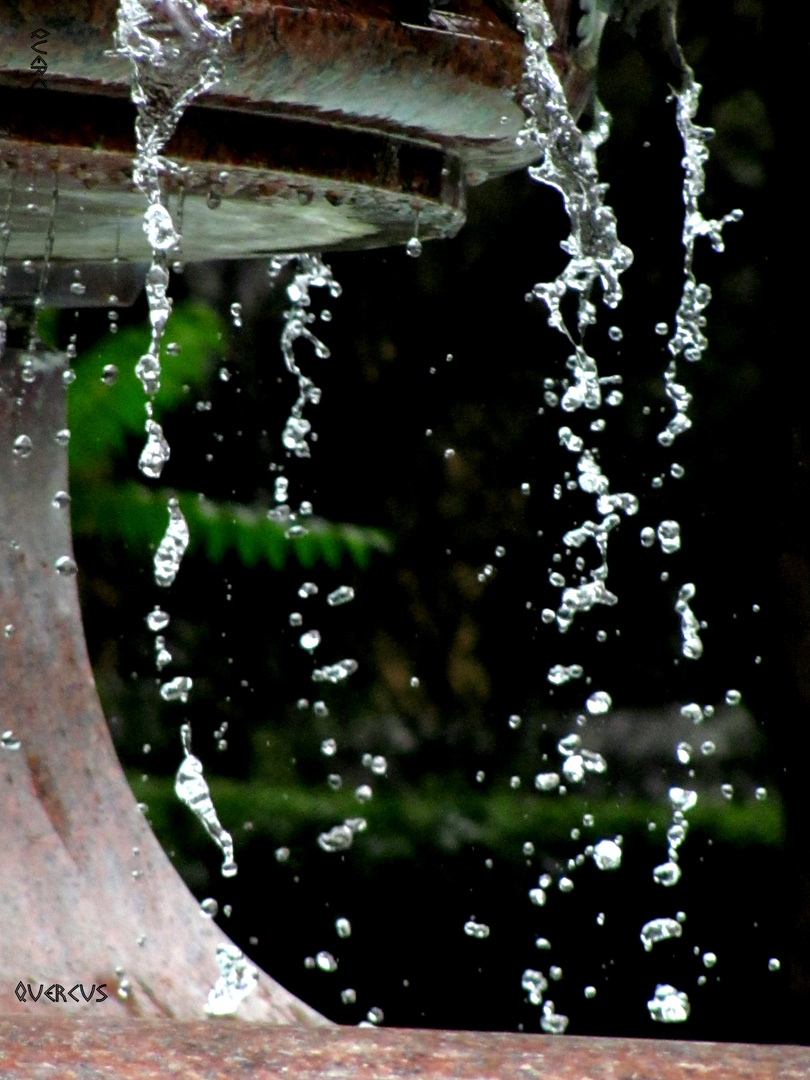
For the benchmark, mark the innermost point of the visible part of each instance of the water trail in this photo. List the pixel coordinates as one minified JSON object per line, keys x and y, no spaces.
{"x":595,"y":255}
{"x":312,"y":272}
{"x":175,"y":52}
{"x":689,"y":339}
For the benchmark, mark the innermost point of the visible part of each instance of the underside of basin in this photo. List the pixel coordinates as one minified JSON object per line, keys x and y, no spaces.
{"x":334,"y":126}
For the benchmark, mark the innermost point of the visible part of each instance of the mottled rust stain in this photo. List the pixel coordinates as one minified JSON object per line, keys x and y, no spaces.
{"x":47,"y":797}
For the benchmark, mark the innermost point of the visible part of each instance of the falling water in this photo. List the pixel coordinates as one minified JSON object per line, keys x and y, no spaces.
{"x":175,"y":52}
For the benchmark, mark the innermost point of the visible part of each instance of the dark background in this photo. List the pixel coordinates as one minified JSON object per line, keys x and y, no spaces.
{"x":418,"y":873}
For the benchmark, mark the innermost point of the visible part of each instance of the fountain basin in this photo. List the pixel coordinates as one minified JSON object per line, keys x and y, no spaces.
{"x":334,"y":126}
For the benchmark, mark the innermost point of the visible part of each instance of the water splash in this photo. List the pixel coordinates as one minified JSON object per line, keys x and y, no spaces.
{"x":238,"y":978}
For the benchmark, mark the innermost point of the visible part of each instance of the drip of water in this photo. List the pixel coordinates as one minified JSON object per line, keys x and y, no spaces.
{"x":312,"y":273}
{"x":172,"y":547}
{"x":192,"y":790}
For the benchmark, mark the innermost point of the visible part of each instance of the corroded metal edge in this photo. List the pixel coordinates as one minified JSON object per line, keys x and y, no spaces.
{"x":37,"y":1047}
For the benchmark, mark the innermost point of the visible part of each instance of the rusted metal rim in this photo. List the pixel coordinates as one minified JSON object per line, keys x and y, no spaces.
{"x":39,"y":1047}
{"x":335,"y":126}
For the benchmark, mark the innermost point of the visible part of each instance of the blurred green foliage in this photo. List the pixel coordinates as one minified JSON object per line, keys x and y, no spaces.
{"x":404,"y":823}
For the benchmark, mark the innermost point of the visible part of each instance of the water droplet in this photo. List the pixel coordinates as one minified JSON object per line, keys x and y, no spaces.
{"x":66,"y":566}
{"x":514,"y":721}
{"x":192,"y":790}
{"x":599,"y":703}
{"x":727,"y":791}
{"x":172,"y":547}
{"x":343,"y":928}
{"x":669,"y":536}
{"x":282,"y":854}
{"x":669,"y":1006}
{"x":709,"y":959}
{"x":414,"y":247}
{"x":569,"y":744}
{"x":677,"y":471}
{"x":157,"y":619}
{"x":309,"y":588}
{"x":615,"y":333}
{"x":475,"y":929}
{"x":682,"y":799}
{"x":236,"y":315}
{"x":23,"y":446}
{"x":335,"y":673}
{"x":78,"y":288}
{"x":60,"y":500}
{"x":565,"y":885}
{"x":534,"y":983}
{"x":607,"y":855}
{"x":761,"y":794}
{"x":348,"y":996}
{"x":310,"y":640}
{"x":668,"y":874}
{"x":176,"y":689}
{"x":339,"y":838}
{"x":659,"y":930}
{"x":328,"y":747}
{"x":341,"y":595}
{"x":378,"y":765}
{"x":155,"y":453}
{"x":109,"y":375}
{"x":159,"y":228}
{"x":590,"y":992}
{"x":559,"y":674}
{"x":325,"y":961}
{"x":647,"y":537}
{"x":733,"y":697}
{"x":551,"y":1022}
{"x":683,"y":752}
{"x":375,"y":1015}
{"x":209,"y":908}
{"x":774,"y":964}
{"x":9,"y":741}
